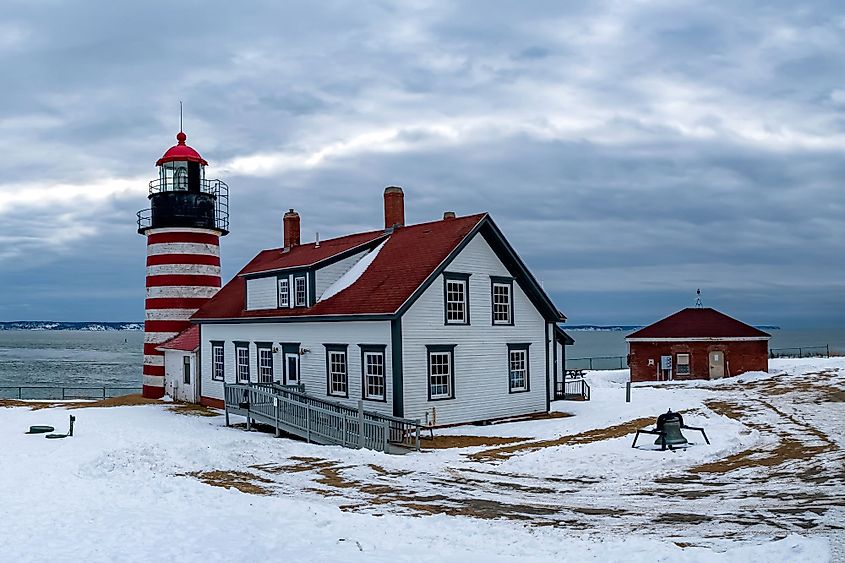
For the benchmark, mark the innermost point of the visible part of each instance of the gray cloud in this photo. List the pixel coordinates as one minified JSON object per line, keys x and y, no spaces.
{"x":631,"y":151}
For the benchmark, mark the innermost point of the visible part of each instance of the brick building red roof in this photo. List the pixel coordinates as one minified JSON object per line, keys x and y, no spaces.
{"x":188,"y":340}
{"x":409,"y":256}
{"x":698,"y":322}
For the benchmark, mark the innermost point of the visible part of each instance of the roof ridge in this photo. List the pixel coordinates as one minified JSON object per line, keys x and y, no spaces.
{"x":377,"y":231}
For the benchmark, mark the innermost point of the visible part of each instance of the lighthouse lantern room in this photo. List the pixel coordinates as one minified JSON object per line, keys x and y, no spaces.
{"x":187,"y":216}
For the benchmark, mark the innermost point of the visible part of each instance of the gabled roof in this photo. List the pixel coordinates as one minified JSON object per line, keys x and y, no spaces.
{"x":698,"y":322}
{"x":410,"y":259}
{"x":188,"y":340}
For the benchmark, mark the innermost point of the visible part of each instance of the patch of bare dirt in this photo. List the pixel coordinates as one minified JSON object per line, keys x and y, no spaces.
{"x":597,"y":435}
{"x":124,"y":401}
{"x":243,"y":481}
{"x":447,"y":442}
{"x":193,"y":409}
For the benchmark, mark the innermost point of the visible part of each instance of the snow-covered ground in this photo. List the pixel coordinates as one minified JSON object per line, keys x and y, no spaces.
{"x":143,"y":483}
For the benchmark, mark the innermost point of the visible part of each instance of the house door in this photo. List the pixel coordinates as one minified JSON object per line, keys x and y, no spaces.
{"x":185,"y":388}
{"x":291,"y":368}
{"x":717,"y":365}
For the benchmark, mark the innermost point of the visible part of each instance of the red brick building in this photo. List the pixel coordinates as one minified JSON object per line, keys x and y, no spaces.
{"x":696,"y":343}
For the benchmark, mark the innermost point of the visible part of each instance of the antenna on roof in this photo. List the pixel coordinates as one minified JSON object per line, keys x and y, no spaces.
{"x":180,"y":115}
{"x":698,"y":304}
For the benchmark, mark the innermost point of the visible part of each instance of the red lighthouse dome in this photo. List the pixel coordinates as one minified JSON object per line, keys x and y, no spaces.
{"x":181,"y":152}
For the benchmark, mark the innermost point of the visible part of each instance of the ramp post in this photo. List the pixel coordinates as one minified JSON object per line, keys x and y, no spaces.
{"x":360,"y":423}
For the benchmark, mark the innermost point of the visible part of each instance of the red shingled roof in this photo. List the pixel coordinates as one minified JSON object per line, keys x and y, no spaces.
{"x":409,"y":256}
{"x":188,"y":340}
{"x":699,"y":323}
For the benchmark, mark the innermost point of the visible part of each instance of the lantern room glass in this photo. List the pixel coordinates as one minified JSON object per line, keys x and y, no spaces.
{"x":173,"y":176}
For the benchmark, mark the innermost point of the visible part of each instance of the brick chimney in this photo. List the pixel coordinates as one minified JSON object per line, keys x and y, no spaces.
{"x":291,"y":228}
{"x":394,"y":207}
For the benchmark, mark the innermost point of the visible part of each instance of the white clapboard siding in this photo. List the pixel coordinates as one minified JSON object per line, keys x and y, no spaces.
{"x":261,"y":293}
{"x":481,"y":352}
{"x":311,"y":337}
{"x":328,"y":275}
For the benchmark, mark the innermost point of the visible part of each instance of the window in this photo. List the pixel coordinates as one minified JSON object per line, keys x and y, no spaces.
{"x":284,"y":292}
{"x":502,"y":300}
{"x":456,"y":298}
{"x":265,"y":363}
{"x":336,"y":370}
{"x":180,"y":178}
{"x":441,"y":375}
{"x":682,"y":364}
{"x":373,"y":372}
{"x":300,"y":291}
{"x":242,"y":355}
{"x":217,"y":361}
{"x":517,"y":368}
{"x":186,"y":370}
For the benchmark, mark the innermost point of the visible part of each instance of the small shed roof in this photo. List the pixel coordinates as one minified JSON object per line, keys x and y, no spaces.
{"x":188,"y":340}
{"x":697,"y":323}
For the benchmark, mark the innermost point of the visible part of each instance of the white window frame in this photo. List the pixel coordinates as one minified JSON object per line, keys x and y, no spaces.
{"x":283,"y":289}
{"x":517,"y":370}
{"x":686,"y":364}
{"x":242,"y":363}
{"x":374,"y":380}
{"x":265,"y":364}
{"x":218,"y":365}
{"x":445,"y":378}
{"x":337,"y":366}
{"x":509,"y":304}
{"x":296,"y":294}
{"x":458,"y":314}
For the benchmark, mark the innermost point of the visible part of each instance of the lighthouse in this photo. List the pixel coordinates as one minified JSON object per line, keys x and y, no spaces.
{"x":188,"y":214}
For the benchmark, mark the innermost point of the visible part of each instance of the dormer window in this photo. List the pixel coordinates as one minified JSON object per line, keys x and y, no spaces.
{"x":300,"y":291}
{"x":284,"y":292}
{"x":456,"y":298}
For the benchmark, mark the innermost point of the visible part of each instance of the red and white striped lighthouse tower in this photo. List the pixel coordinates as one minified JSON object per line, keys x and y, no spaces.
{"x":187,"y":216}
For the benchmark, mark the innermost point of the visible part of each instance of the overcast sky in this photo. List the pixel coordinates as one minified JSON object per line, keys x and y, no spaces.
{"x":631,"y":151}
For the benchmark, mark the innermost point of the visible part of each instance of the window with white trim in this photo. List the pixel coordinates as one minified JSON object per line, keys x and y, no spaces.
{"x":502,"y":303}
{"x":456,"y":295}
{"x":217,"y":365}
{"x":300,"y":289}
{"x":337,"y":372}
{"x":374,"y":384}
{"x":284,"y":292}
{"x":242,"y":355}
{"x":441,"y":372}
{"x":265,"y":365}
{"x":517,"y":369}
{"x":682,"y":364}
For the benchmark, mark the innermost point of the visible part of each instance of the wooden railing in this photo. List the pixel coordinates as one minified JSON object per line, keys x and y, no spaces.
{"x":290,"y":409}
{"x":572,"y":389}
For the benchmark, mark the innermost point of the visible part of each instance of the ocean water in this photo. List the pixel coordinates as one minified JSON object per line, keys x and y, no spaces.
{"x":65,"y":358}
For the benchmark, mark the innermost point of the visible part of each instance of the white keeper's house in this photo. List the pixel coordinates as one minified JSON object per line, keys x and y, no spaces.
{"x":440,"y":321}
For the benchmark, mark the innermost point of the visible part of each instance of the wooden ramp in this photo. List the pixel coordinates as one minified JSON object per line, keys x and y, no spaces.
{"x":289,"y":409}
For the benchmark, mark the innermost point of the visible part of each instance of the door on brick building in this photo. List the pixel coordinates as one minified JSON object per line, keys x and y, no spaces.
{"x":717,"y":364}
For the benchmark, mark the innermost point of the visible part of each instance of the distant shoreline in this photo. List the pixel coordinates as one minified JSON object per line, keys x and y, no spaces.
{"x":71,"y":325}
{"x":628,"y":328}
